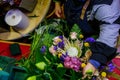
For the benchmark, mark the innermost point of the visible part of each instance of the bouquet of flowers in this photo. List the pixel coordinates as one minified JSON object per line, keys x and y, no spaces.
{"x":69,"y":51}
{"x":54,"y":56}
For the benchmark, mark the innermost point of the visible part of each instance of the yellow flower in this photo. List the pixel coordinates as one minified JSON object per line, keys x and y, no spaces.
{"x":86,"y":44}
{"x":83,"y":65}
{"x":59,"y":55}
{"x":81,"y":36}
{"x":31,"y":78}
{"x":40,"y":65}
{"x":103,"y":74}
{"x":0,"y":69}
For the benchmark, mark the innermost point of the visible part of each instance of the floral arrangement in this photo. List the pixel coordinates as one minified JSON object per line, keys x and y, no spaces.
{"x":54,"y":56}
{"x":68,"y":52}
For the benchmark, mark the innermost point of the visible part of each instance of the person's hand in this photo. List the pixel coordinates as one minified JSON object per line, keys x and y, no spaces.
{"x":58,"y":10}
{"x":88,"y":68}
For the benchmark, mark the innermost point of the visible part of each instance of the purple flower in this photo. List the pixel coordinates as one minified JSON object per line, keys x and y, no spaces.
{"x":72,"y":63}
{"x":76,"y":68}
{"x":43,"y":49}
{"x":101,"y":68}
{"x":61,"y":37}
{"x":90,"y":39}
{"x":74,"y":60}
{"x":62,"y":58}
{"x":61,"y":44}
{"x":67,"y":58}
{"x":55,"y":47}
{"x":111,"y":67}
{"x":67,"y":64}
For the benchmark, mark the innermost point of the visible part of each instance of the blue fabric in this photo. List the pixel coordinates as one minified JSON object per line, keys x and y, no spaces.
{"x":95,"y":63}
{"x":4,"y":75}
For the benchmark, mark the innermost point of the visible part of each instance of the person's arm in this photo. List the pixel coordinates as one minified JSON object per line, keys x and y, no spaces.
{"x":104,"y":50}
{"x":101,"y":54}
{"x":58,"y":8}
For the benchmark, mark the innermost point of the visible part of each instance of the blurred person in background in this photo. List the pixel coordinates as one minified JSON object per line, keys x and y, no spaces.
{"x":107,"y":13}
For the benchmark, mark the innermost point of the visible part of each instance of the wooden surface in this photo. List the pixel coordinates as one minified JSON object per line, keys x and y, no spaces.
{"x":40,"y":10}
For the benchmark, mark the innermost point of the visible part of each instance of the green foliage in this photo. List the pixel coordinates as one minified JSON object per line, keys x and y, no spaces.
{"x":76,"y":29}
{"x":47,"y":38}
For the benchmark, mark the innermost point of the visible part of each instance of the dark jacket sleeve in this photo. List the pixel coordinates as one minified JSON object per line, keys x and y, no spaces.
{"x":102,"y":52}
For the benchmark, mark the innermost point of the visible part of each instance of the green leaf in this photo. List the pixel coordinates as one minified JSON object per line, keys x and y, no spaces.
{"x":73,"y":76}
{"x":47,"y":39}
{"x":39,"y":56}
{"x":61,"y":71}
{"x":47,"y":76}
{"x":76,"y":29}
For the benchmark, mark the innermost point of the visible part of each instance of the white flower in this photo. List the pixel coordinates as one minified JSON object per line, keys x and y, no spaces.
{"x":72,"y":51}
{"x":56,"y":40}
{"x":73,"y":35}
